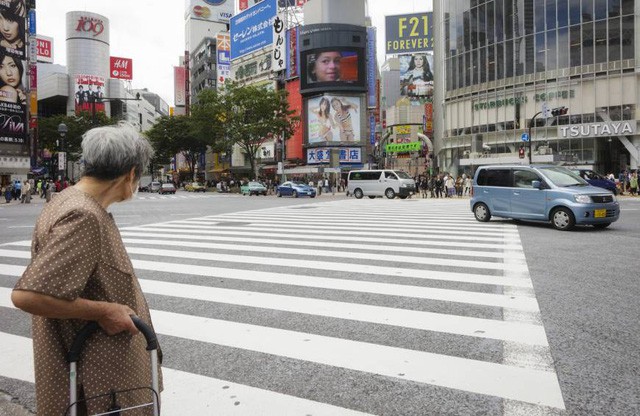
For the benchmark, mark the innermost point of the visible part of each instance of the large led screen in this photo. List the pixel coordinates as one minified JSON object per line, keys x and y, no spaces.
{"x":334,"y":118}
{"x":330,"y":68}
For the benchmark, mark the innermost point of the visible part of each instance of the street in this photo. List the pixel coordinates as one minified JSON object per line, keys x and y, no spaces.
{"x":338,"y":306}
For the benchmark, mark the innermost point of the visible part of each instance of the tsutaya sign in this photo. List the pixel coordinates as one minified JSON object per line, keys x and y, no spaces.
{"x":613,"y":128}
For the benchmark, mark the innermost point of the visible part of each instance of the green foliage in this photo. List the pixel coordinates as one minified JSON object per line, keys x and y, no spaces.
{"x":246,"y":116}
{"x":172,"y":135}
{"x":77,"y":126}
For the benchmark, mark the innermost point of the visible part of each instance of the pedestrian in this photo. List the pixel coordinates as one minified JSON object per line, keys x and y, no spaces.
{"x":633,"y":183}
{"x":6,"y":192}
{"x":26,"y":193}
{"x":439,"y":185}
{"x":48,"y":190}
{"x":79,"y":272}
{"x":424,"y":186}
{"x":17,"y":190}
{"x":467,"y":186}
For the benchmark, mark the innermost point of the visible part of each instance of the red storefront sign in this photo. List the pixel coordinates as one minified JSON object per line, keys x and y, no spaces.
{"x":44,"y":48}
{"x":121,"y":68}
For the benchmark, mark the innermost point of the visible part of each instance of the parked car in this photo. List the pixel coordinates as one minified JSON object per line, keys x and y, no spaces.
{"x":596,"y":179}
{"x":154,"y":187}
{"x":167,"y":188}
{"x":295,"y":189}
{"x":541,"y":193}
{"x":253,"y":188}
{"x":195,"y":187}
{"x":143,"y":188}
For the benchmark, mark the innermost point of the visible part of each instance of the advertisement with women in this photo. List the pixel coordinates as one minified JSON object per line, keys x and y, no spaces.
{"x":13,"y":97}
{"x":334,"y":118}
{"x":416,"y":75}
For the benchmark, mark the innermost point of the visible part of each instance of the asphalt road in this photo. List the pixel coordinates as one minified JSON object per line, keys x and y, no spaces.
{"x":585,"y":283}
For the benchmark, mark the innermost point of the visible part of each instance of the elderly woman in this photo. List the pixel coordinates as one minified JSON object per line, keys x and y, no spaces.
{"x":80,"y":272}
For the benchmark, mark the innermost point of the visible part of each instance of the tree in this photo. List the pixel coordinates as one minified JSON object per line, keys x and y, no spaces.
{"x":77,"y":126}
{"x":246,"y":116}
{"x":172,"y":135}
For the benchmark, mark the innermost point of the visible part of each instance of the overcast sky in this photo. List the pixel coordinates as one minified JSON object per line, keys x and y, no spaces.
{"x":152,"y":32}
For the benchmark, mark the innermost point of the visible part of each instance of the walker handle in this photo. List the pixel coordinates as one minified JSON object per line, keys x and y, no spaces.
{"x":91,"y":327}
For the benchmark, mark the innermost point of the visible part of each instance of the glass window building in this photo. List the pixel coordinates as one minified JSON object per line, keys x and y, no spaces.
{"x":501,"y":62}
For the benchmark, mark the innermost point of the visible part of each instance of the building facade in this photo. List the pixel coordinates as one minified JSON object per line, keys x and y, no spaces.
{"x":504,"y":64}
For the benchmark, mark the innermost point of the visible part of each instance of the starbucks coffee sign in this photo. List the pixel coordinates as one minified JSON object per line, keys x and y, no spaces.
{"x":613,"y":128}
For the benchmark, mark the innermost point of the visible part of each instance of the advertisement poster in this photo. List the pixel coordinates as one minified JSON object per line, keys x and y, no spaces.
{"x":332,"y":66}
{"x":89,"y":92}
{"x":416,"y":76}
{"x":211,"y":10}
{"x":252,"y":29}
{"x":334,"y":118}
{"x":13,"y":97}
{"x":278,"y":55}
{"x":293,"y":55}
{"x":121,"y":68}
{"x":409,"y":33}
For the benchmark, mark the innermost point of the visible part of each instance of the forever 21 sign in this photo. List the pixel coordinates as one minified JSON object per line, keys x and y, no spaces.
{"x":90,"y":25}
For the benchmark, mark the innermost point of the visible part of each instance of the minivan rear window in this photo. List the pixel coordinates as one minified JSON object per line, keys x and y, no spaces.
{"x":494,"y":177}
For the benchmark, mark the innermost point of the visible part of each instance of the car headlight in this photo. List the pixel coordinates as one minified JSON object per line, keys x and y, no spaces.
{"x":583,"y":199}
{"x":404,"y":185}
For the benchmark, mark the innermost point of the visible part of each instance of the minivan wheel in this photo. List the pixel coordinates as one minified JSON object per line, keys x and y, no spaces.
{"x":358,"y":193}
{"x":295,"y":194}
{"x":390,"y":193}
{"x":563,"y":219}
{"x":481,"y":212}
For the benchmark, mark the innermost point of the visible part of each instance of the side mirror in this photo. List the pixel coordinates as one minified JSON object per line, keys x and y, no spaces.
{"x":536,"y":184}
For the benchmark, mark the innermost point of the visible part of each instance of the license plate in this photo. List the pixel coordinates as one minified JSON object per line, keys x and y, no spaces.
{"x":600,"y":213}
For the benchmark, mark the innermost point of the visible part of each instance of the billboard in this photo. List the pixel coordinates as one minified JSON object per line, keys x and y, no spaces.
{"x":253,"y":28}
{"x":121,"y":68}
{"x":409,"y":33}
{"x":416,"y":76}
{"x":179,"y":83}
{"x":333,"y":118}
{"x":89,"y":92}
{"x":13,"y":96}
{"x":44,"y":47}
{"x":278,"y":55}
{"x":223,"y":58}
{"x":211,"y":10}
{"x":332,"y":67}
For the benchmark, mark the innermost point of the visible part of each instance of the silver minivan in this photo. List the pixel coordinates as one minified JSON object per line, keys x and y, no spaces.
{"x":380,"y":182}
{"x":541,"y":193}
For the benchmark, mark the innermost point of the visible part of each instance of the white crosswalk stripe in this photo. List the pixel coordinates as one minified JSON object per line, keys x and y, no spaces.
{"x":150,"y":197}
{"x":320,"y":288}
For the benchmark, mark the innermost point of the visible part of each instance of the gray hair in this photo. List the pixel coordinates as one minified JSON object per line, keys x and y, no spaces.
{"x":112,"y":151}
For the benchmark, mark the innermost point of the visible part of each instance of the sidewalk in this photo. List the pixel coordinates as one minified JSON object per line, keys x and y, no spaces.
{"x":35,"y":200}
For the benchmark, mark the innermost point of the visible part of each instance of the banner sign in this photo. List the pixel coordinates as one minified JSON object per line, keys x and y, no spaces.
{"x":409,"y":33}
{"x":121,"y":68}
{"x":278,"y":55}
{"x":403,"y":147}
{"x":323,"y":155}
{"x":372,"y":129}
{"x":223,"y":61}
{"x":44,"y":49}
{"x":428,"y":115}
{"x":293,"y":55}
{"x":252,"y":30}
{"x":371,"y":67}
{"x":179,"y":82}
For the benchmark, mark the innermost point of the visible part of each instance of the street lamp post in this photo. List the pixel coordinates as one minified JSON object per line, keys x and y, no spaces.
{"x":62,"y":160}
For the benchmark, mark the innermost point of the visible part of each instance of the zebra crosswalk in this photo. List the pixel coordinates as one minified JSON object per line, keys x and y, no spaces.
{"x":347,"y":307}
{"x":181,"y":195}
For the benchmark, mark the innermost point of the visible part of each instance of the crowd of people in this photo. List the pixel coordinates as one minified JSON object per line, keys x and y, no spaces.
{"x":23,"y":191}
{"x":626,"y":182}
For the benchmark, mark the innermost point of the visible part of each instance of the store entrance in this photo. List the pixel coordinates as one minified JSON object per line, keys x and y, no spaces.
{"x":613,"y":157}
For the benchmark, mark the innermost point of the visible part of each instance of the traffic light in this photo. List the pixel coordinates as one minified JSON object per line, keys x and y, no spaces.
{"x":559,"y":111}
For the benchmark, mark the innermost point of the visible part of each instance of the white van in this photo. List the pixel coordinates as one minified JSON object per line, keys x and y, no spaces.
{"x":373,"y":183}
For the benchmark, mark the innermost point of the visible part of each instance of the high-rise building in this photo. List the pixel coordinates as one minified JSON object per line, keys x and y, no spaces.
{"x":506,"y":64}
